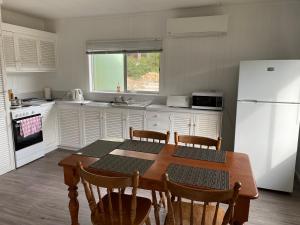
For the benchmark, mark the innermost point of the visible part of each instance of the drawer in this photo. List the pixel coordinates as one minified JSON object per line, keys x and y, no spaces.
{"x":158,"y":116}
{"x":161,"y":126}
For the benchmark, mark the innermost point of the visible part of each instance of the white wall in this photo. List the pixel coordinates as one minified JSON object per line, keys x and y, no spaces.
{"x":256,"y":31}
{"x":26,"y":83}
{"x":12,"y":17}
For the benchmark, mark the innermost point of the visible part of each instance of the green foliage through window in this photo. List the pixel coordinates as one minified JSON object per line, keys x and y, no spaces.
{"x":142,"y":75}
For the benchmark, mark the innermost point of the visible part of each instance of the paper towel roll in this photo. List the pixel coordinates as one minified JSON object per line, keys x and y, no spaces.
{"x":47,"y":93}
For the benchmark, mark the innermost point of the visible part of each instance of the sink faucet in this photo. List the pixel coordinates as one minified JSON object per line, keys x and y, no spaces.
{"x":119,"y":99}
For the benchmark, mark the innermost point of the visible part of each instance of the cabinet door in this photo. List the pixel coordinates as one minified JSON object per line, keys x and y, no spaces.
{"x":181,"y":123}
{"x":9,"y":53}
{"x":47,"y":54}
{"x":114,"y":123}
{"x":135,"y":119}
{"x":207,"y":125}
{"x":91,"y":125}
{"x":27,"y":53}
{"x":6,"y":159}
{"x":50,"y":127}
{"x":69,"y":127}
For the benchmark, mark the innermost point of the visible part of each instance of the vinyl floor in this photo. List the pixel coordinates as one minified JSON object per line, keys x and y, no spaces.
{"x":36,"y":195}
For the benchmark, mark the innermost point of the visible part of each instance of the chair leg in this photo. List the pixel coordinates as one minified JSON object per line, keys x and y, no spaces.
{"x":156,"y":207}
{"x":162,"y":200}
{"x":148,"y":222}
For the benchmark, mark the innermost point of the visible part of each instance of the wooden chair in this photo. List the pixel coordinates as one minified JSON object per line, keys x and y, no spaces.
{"x":155,"y":136}
{"x":208,"y":213}
{"x":147,"y":134}
{"x":197,"y":140}
{"x":115,"y":208}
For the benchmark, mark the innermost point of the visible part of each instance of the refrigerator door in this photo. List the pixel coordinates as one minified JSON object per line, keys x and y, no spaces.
{"x":268,"y":133}
{"x":270,"y":80}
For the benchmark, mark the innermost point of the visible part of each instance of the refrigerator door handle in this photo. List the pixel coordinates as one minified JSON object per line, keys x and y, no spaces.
{"x":249,"y":100}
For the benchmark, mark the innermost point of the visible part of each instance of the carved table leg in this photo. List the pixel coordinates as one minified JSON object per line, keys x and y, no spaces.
{"x":72,"y":179}
{"x":241,"y":211}
{"x":156,"y":207}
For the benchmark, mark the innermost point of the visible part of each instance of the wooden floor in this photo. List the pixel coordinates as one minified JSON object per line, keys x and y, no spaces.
{"x":35,"y":195}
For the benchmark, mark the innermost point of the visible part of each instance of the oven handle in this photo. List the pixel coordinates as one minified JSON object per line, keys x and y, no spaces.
{"x":20,"y":119}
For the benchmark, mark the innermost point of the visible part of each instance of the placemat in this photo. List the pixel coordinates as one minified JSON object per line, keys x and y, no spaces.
{"x":200,"y":154}
{"x":99,"y":148}
{"x":122,"y":164}
{"x":141,"y":146}
{"x":215,"y":179}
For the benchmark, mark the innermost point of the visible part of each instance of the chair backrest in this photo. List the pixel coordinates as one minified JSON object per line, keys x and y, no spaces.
{"x":147,"y":134}
{"x":197,"y":140}
{"x":93,"y":181}
{"x":208,"y":197}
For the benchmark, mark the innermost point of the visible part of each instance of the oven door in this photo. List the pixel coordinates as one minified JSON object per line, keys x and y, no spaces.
{"x":23,"y":142}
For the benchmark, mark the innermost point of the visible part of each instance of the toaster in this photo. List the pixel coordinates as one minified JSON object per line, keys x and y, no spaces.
{"x":178,"y":101}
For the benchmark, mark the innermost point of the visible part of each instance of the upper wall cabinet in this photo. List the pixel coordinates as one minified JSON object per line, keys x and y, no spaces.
{"x":28,"y":50}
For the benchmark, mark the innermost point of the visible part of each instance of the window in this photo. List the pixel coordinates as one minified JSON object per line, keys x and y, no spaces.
{"x":127,"y":72}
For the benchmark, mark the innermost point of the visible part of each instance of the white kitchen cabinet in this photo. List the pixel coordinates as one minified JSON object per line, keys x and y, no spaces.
{"x":27,"y":53}
{"x":92,"y":124}
{"x":6,"y":159}
{"x":117,"y":122}
{"x":134,"y":119}
{"x":9,"y":49}
{"x":114,"y":123}
{"x":70,"y":126}
{"x":27,"y":49}
{"x":7,"y":162}
{"x":158,"y":121}
{"x":207,"y":125}
{"x":49,"y":121}
{"x":47,"y":54}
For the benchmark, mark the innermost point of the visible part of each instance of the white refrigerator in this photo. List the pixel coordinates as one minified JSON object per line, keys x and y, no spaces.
{"x":267,"y":120}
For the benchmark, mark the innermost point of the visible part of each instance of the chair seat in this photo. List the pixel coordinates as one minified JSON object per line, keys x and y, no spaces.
{"x":142,"y":210}
{"x":198,"y":209}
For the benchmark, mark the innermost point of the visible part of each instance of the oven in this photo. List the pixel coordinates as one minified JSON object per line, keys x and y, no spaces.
{"x":21,"y":141}
{"x":208,"y":100}
{"x":27,"y":134}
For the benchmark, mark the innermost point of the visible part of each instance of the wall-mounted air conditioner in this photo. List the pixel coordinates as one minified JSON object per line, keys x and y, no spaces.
{"x":197,"y":26}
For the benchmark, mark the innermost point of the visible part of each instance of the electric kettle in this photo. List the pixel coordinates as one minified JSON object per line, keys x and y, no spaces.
{"x":77,"y":95}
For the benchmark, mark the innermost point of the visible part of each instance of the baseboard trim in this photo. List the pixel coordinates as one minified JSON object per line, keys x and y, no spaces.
{"x":50,"y":149}
{"x":68,"y":148}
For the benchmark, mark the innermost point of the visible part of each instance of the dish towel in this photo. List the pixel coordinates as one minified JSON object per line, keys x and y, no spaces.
{"x":30,"y":126}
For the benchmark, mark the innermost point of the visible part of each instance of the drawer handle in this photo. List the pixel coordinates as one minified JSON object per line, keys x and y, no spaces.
{"x":155,"y":125}
{"x":155,"y":116}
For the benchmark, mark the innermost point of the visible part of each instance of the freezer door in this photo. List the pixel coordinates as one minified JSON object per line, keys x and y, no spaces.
{"x":270,"y":80}
{"x":268,"y":133}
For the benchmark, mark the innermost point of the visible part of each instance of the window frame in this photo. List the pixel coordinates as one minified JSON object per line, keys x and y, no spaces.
{"x":126,"y":91}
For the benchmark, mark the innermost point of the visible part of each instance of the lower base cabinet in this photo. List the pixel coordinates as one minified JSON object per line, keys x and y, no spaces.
{"x":82,"y":125}
{"x":6,"y":156}
{"x":50,"y":128}
{"x":92,"y":124}
{"x":70,"y":129}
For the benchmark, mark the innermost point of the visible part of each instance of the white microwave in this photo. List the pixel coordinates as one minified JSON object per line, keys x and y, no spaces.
{"x":208,"y":100}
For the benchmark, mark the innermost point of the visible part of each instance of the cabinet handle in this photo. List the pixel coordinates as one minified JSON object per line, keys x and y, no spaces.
{"x":155,"y":116}
{"x":194,"y":124}
{"x":155,"y":125}
{"x":189,"y":124}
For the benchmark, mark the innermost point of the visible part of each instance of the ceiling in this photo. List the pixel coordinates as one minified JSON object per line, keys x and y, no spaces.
{"x":57,"y":9}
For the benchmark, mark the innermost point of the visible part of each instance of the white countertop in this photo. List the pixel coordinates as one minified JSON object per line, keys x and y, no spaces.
{"x":151,"y":107}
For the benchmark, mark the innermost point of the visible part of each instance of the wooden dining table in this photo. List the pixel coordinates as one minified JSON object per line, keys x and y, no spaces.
{"x":237,"y":165}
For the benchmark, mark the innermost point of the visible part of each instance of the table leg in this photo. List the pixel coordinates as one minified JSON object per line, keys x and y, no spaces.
{"x":156,"y":207}
{"x":72,"y":179}
{"x":241,"y":211}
